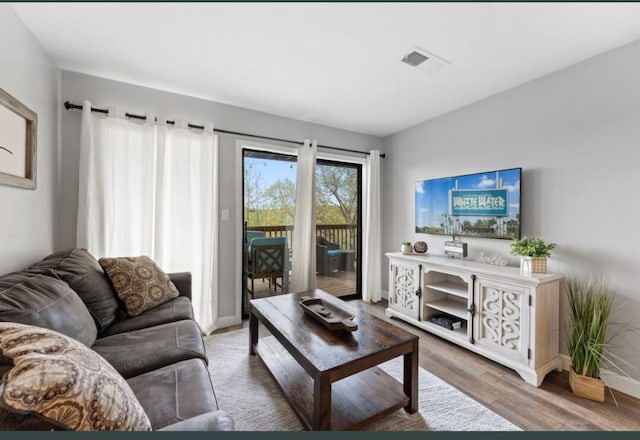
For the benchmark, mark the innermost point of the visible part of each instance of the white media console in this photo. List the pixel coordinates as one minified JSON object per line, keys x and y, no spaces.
{"x":509,"y":317}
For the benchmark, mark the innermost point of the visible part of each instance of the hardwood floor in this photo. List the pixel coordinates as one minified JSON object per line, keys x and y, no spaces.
{"x":548,"y":408}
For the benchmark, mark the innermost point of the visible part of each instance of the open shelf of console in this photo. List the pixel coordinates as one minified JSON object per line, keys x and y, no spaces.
{"x":455,"y":334}
{"x":458,"y":289}
{"x":450,"y":307}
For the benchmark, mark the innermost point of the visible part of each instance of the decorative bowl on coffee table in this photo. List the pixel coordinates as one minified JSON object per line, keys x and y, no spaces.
{"x":328,"y":315}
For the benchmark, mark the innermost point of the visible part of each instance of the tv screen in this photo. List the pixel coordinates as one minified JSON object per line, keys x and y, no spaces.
{"x":473,"y":205}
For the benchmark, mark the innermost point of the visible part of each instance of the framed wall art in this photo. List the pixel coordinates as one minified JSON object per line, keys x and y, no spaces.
{"x":18,"y":138}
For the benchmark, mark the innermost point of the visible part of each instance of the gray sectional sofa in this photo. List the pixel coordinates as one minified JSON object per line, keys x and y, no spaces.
{"x":160,"y":352}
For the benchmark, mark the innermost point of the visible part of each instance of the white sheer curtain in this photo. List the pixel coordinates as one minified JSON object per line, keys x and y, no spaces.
{"x":151,"y":190}
{"x":117,"y":177}
{"x":371,"y":267}
{"x":303,"y":241}
{"x":185,"y":235}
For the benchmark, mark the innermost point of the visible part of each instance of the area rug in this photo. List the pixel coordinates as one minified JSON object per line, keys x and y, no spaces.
{"x":246,"y":391}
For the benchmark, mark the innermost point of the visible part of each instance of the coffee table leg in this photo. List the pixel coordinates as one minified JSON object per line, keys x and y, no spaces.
{"x":321,"y":404}
{"x":253,"y":333}
{"x":411,"y":378}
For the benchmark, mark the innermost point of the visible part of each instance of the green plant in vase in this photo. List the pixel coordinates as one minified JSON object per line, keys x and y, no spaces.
{"x":533,"y":252}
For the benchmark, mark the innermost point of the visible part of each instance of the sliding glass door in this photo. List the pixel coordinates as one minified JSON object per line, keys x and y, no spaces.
{"x":338,"y":227}
{"x":269,"y":191}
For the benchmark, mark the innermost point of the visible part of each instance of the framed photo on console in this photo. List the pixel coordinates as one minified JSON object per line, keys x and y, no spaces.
{"x":18,"y":139}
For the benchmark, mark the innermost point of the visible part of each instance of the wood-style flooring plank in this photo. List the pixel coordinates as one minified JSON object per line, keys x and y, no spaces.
{"x":547,"y":408}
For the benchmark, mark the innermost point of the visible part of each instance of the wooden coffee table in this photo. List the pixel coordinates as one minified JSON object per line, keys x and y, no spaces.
{"x":330,"y":378}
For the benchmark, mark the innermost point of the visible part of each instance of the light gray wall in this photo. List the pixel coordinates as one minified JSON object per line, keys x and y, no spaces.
{"x":576,"y":135}
{"x":28,"y":218}
{"x":102,"y":92}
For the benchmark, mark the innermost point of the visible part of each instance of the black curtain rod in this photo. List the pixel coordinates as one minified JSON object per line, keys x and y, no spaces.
{"x":68,"y":106}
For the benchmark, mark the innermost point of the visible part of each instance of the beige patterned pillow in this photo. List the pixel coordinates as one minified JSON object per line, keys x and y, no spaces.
{"x":139,"y":282}
{"x":63,"y":381}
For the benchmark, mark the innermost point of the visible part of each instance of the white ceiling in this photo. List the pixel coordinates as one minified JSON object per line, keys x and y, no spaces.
{"x":330,"y":63}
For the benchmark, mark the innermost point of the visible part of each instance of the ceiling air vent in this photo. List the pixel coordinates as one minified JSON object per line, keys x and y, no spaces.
{"x":423,"y":60}
{"x":414,"y":59}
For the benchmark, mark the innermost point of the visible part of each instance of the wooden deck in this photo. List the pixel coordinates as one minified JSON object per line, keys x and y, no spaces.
{"x":338,"y":284}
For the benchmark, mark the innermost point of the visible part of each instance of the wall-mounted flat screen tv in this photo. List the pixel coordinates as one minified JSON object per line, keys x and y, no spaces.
{"x":473,"y":205}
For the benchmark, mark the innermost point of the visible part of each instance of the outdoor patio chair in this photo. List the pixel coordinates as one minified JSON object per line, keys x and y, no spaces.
{"x":268,"y":258}
{"x":327,"y":256}
{"x":250,"y":235}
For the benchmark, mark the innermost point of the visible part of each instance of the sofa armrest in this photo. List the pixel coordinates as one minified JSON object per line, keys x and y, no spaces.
{"x":210,"y":421}
{"x":182,"y":281}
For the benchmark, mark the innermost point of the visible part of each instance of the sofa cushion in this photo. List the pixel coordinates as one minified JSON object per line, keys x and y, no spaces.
{"x":63,"y":381}
{"x":139,"y":351}
{"x":81,"y":271}
{"x":45,"y":301}
{"x":173,"y":310}
{"x":167,"y":394}
{"x":13,"y":421}
{"x":182,"y":281}
{"x":139,"y":282}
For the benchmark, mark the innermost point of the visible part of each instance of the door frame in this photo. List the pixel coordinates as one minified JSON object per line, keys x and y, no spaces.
{"x":358,"y":167}
{"x":241,"y":145}
{"x":250,"y":144}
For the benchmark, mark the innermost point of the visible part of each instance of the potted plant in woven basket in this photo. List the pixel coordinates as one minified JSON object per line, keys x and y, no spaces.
{"x":533,"y":253}
{"x":590,"y":304}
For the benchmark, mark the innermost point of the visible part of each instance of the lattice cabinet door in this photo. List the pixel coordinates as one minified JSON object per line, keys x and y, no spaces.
{"x":501,"y":321}
{"x":405,"y":288}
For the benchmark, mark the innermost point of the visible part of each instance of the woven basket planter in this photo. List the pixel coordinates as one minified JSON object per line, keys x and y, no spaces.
{"x":533,"y":264}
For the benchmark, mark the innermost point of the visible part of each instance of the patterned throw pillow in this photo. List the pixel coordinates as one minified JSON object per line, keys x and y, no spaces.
{"x":64,"y":382}
{"x":139,"y":282}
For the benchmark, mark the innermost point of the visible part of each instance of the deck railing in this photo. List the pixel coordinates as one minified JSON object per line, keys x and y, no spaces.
{"x":344,"y":235}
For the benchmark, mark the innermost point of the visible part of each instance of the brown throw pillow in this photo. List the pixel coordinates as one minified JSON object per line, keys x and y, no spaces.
{"x":139,"y":282}
{"x":64,"y":382}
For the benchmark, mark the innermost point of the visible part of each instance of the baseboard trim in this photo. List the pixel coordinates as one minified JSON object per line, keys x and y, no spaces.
{"x":611,"y":379}
{"x":566,"y":362}
{"x":227,"y":321}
